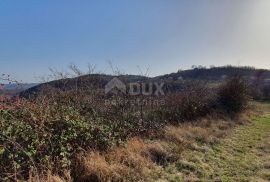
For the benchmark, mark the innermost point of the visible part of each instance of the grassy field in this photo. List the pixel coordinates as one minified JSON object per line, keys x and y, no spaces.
{"x":243,"y":155}
{"x":240,"y":156}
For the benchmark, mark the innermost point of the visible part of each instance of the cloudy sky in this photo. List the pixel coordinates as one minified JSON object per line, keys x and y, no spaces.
{"x":164,"y":35}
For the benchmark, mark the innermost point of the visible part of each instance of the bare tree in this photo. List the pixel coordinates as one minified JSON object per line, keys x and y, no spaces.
{"x":115,"y":69}
{"x":91,"y":68}
{"x":144,"y":73}
{"x":75,"y":70}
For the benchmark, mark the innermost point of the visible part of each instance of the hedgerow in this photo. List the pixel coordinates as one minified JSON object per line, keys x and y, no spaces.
{"x":49,"y":131}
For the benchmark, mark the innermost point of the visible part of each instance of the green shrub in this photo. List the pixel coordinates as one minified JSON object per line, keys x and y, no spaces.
{"x":29,"y":144}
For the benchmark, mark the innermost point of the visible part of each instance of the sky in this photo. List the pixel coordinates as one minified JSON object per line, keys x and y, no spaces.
{"x":162,"y":35}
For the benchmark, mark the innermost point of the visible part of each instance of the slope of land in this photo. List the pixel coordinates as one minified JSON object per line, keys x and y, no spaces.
{"x":243,"y":155}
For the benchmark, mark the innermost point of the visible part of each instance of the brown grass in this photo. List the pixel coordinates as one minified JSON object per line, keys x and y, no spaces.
{"x":49,"y":177}
{"x":130,"y":163}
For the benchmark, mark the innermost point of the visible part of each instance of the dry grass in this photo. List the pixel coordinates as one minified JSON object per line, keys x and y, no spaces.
{"x":130,"y":163}
{"x":207,"y":130}
{"x":134,"y":162}
{"x":94,"y":167}
{"x":49,"y":177}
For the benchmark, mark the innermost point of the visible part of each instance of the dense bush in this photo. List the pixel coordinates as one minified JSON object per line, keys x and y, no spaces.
{"x":47,"y":133}
{"x":233,"y":95}
{"x":30,"y":143}
{"x":196,"y":100}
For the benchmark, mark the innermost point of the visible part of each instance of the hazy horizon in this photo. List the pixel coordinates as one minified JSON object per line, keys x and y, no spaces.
{"x":163,"y":36}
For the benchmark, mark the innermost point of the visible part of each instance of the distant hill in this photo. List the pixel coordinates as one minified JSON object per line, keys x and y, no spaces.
{"x":173,"y":81}
{"x":94,"y":81}
{"x":23,"y":86}
{"x":14,"y":89}
{"x":217,"y":73}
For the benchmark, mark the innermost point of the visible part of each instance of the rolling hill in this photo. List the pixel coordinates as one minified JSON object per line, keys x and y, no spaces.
{"x":173,"y":81}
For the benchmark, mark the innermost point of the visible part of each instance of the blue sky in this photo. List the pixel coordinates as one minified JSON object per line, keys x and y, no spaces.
{"x":164,"y":35}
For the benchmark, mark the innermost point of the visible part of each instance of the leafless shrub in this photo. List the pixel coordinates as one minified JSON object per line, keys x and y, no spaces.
{"x":194,"y":101}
